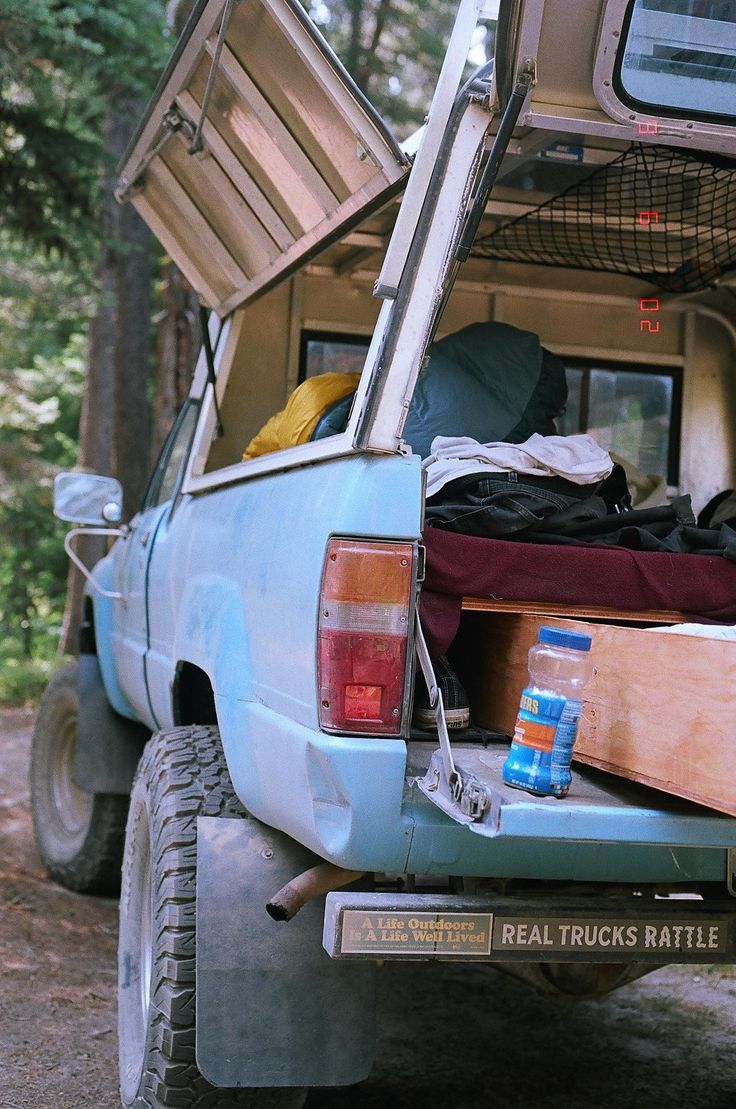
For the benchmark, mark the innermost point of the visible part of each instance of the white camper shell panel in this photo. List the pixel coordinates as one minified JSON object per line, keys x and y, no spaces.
{"x":257,"y":150}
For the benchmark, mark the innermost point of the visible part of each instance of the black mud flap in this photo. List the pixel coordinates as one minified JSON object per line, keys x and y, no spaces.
{"x":272,"y":1008}
{"x":108,"y":746}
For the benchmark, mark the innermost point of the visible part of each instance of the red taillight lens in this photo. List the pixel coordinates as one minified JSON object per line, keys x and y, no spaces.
{"x":363,"y":628}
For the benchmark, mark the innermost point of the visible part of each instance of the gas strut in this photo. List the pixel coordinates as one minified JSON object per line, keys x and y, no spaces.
{"x":488,"y":178}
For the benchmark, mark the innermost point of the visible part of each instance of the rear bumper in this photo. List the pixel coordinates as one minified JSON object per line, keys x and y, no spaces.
{"x":514,"y":929}
{"x":354,"y":802}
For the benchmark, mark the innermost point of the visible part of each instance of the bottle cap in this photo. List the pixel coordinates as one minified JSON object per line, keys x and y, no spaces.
{"x":560,"y":638}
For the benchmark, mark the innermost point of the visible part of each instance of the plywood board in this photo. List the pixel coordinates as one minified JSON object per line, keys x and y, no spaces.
{"x":656,"y":709}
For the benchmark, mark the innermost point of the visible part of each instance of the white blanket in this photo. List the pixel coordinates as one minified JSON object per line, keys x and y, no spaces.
{"x":706,"y":631}
{"x":575,"y":457}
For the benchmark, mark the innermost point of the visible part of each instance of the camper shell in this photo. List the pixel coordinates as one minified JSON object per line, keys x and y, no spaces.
{"x":576,"y":187}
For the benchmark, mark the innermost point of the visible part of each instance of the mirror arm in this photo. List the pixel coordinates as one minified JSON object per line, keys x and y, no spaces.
{"x":78,"y":562}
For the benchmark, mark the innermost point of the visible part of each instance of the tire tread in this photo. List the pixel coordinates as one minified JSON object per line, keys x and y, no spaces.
{"x":95,"y":869}
{"x":186,"y":775}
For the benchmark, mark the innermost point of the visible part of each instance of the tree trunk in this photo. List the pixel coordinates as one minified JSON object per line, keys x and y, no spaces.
{"x":178,"y":340}
{"x":115,"y":424}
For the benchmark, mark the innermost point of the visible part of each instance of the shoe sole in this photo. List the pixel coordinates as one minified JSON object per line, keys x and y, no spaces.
{"x":455,"y":719}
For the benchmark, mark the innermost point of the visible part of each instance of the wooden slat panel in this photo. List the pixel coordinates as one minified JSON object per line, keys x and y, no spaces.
{"x":208,"y":23}
{"x":230,"y":217}
{"x":308,"y":242}
{"x":307,"y":110}
{"x":188,"y":227}
{"x":376,"y":138}
{"x":276,"y":128}
{"x":178,"y":247}
{"x":259,"y":153}
{"x":243,"y":182}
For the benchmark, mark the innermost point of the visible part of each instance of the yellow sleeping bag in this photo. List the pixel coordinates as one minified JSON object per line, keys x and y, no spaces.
{"x":295,"y":422}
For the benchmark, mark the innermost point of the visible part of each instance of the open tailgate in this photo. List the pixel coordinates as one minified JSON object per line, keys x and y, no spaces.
{"x":286,"y":156}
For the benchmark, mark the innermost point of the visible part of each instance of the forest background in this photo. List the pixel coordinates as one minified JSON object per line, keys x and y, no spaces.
{"x":99,"y":331}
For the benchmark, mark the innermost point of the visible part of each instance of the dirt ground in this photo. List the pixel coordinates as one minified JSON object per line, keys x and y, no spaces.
{"x":450,"y":1037}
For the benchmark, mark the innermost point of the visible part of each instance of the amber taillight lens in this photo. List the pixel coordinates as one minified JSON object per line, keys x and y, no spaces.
{"x":365,"y":606}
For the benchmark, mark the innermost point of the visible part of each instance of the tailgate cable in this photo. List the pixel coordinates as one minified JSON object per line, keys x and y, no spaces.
{"x":470,"y":796}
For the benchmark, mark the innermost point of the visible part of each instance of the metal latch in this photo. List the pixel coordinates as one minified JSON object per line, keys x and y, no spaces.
{"x":469,"y":794}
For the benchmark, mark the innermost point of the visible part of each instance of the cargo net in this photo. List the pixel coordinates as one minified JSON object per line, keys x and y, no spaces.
{"x":656,"y":213}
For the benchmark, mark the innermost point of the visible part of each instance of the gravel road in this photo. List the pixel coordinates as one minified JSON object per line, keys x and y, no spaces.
{"x":450,"y":1037}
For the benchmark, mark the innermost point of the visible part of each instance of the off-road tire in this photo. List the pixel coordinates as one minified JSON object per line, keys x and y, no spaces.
{"x":182,"y":775}
{"x":79,"y":835}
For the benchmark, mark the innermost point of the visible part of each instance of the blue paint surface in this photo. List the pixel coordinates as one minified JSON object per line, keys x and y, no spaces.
{"x":232,"y":578}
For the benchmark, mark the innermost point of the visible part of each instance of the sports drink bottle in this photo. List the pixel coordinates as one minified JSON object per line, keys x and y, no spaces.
{"x":546,"y":727}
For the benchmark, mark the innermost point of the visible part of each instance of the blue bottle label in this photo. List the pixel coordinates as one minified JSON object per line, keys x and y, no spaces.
{"x":541,"y":750}
{"x":564,"y":741}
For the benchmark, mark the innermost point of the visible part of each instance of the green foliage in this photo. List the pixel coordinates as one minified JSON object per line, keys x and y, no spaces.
{"x":393,"y":49}
{"x":60,"y":64}
{"x":23,"y":680}
{"x":41,"y":356}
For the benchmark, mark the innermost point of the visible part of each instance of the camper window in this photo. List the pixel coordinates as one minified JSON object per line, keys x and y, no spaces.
{"x":632,"y":411}
{"x":680,"y":55}
{"x":323,"y":352}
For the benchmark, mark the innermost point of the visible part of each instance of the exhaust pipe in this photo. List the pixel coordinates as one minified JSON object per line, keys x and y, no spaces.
{"x":312,"y":883}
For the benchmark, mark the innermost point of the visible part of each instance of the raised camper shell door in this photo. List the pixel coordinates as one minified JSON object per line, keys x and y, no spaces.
{"x":291,"y":153}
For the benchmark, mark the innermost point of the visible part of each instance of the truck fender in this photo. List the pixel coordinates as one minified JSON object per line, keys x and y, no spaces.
{"x":108,"y":746}
{"x":273,"y":1009}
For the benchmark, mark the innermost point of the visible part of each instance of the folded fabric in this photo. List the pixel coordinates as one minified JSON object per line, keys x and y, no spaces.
{"x":578,"y":458}
{"x":703,"y":586}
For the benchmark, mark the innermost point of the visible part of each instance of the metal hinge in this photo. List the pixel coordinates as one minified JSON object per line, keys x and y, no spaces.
{"x":421,"y":562}
{"x":172,"y":121}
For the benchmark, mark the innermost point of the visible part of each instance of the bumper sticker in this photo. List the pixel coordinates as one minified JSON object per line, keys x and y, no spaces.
{"x":605,"y":935}
{"x":386,"y":934}
{"x":431,"y":934}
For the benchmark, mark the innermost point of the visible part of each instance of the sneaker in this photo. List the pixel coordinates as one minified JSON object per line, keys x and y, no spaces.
{"x":454,"y":698}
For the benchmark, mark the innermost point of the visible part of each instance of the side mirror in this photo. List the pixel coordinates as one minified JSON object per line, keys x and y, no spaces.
{"x":88,"y":499}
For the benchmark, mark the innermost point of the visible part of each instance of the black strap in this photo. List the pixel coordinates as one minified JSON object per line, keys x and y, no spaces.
{"x":210,"y":366}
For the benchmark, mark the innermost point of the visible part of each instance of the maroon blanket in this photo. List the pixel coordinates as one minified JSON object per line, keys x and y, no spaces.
{"x":703,"y":586}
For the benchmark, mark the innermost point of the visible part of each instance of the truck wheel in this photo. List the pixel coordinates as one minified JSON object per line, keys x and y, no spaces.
{"x":182,"y":775}
{"x":79,"y":835}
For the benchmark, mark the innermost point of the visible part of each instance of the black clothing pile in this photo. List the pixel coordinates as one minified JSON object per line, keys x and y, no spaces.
{"x":555,"y":510}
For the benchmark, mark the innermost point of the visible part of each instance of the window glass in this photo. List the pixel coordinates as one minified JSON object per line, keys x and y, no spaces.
{"x":634,"y":414}
{"x":572,"y":421}
{"x":681,"y":54}
{"x":172,"y":458}
{"x":321,"y":354}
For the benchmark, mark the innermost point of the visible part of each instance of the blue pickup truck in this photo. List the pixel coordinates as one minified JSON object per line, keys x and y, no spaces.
{"x":240,"y":728}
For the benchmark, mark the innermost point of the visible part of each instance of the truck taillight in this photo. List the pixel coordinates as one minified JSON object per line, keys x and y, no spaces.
{"x":365,"y":607}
